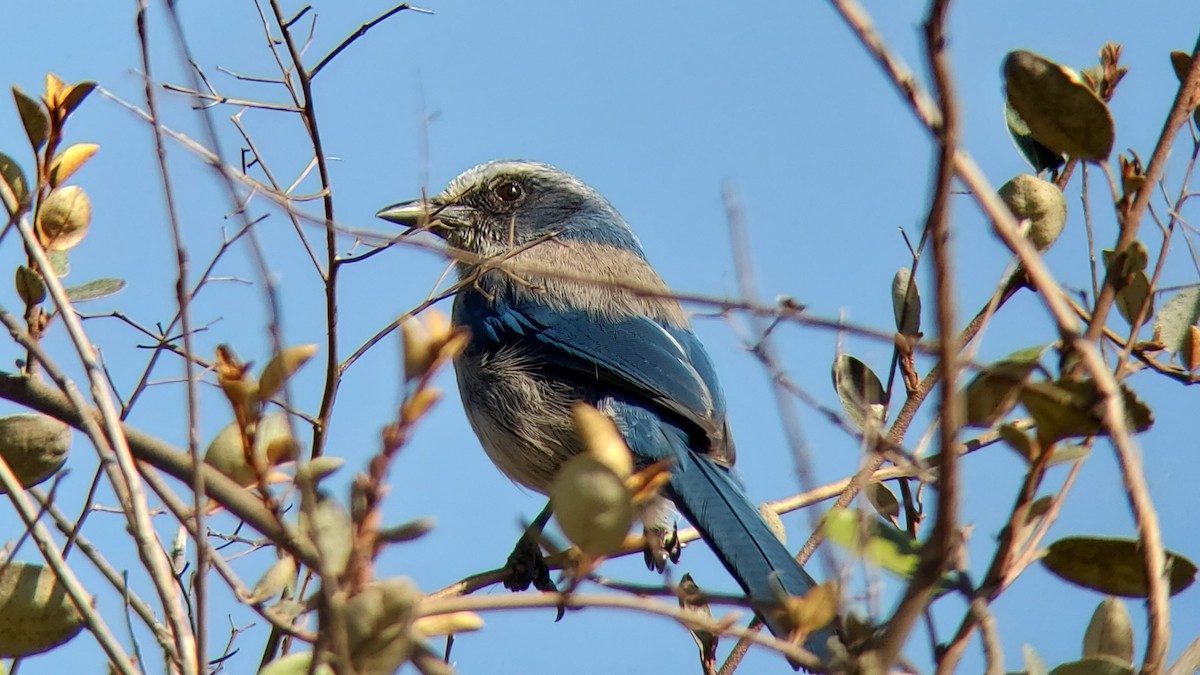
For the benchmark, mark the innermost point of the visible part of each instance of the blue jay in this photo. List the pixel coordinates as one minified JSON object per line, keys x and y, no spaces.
{"x":555,"y":319}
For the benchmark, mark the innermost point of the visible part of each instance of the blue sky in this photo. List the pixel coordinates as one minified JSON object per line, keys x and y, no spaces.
{"x":658,"y":105}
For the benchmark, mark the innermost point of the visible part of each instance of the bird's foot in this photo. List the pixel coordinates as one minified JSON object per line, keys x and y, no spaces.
{"x":526,"y":566}
{"x":661,"y":545}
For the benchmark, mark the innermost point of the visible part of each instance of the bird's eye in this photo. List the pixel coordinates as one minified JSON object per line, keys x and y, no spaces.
{"x":509,"y":191}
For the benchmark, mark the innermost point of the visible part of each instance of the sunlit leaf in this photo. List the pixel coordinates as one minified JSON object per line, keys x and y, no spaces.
{"x":75,"y":95}
{"x":281,"y":368}
{"x":64,"y":217}
{"x":36,"y":614}
{"x":881,"y":544}
{"x":296,"y":663}
{"x":1099,"y":665}
{"x":35,"y":446}
{"x":906,"y":302}
{"x":31,"y":288}
{"x":1040,"y":202}
{"x":1062,"y":112}
{"x":69,"y":161}
{"x":1181,"y":312}
{"x":859,"y":389}
{"x":94,"y":290}
{"x":883,"y":500}
{"x":1110,"y":632}
{"x":1112,"y":566}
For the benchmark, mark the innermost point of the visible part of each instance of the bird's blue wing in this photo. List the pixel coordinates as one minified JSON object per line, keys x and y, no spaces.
{"x":634,"y":355}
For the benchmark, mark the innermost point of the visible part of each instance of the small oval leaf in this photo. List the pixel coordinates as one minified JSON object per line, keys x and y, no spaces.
{"x":34,"y":118}
{"x":64,"y":218}
{"x":36,"y":614}
{"x":30,"y":286}
{"x":283,"y":366}
{"x":94,"y":290}
{"x":1110,"y":632}
{"x":859,"y":389}
{"x":34,"y":445}
{"x":69,"y":161}
{"x":1039,"y":201}
{"x":1112,"y":566}
{"x":16,"y":199}
{"x":1180,"y":313}
{"x":1061,"y":110}
{"x":1039,"y":157}
{"x":906,"y":302}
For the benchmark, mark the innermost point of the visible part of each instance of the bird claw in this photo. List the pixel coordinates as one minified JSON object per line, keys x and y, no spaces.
{"x":526,"y":566}
{"x":661,"y":546}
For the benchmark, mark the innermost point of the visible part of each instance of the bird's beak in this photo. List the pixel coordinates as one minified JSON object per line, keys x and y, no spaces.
{"x":420,"y":214}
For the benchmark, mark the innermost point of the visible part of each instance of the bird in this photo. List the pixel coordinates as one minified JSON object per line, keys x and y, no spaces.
{"x":563,"y":307}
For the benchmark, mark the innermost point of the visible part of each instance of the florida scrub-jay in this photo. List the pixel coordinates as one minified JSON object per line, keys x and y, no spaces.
{"x":542,"y":338}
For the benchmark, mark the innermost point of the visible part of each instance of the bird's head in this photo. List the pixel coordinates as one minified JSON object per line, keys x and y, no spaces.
{"x":496,"y":207}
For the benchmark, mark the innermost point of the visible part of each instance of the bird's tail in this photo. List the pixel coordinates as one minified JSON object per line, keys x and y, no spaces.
{"x":708,"y":496}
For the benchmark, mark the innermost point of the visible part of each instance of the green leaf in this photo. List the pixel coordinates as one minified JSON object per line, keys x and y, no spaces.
{"x":14,"y":179}
{"x":1172,"y":322}
{"x":859,"y":390}
{"x":1112,"y":566}
{"x":1110,"y":632}
{"x":1040,"y":202}
{"x":994,"y":392}
{"x":881,"y":544}
{"x":906,"y":302}
{"x":94,"y":290}
{"x":1133,"y":295}
{"x":298,"y":663}
{"x":34,"y":118}
{"x":1099,"y":665}
{"x":1182,"y":63}
{"x":1038,"y":156}
{"x":1068,"y":453}
{"x":1071,"y":408}
{"x":75,"y":96}
{"x":36,"y":614}
{"x":1061,"y":110}
{"x":60,"y":262}
{"x":883,"y":500}
{"x":31,"y":288}
{"x":1034,"y":665}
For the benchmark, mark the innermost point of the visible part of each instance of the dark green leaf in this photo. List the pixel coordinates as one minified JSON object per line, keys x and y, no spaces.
{"x":1112,"y":566}
{"x":859,"y":390}
{"x":94,"y":290}
{"x":34,"y":118}
{"x":1039,"y":157}
{"x":14,"y":178}
{"x":995,"y":390}
{"x":1071,"y":408}
{"x":883,"y":500}
{"x":906,"y":302}
{"x":1062,"y":112}
{"x":1038,"y":508}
